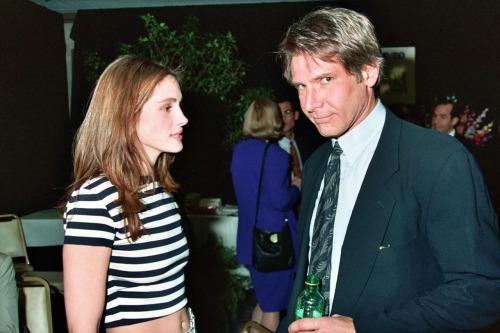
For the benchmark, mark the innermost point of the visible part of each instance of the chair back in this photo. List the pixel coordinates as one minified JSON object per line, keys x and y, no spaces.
{"x":12,"y":241}
{"x":34,"y":304}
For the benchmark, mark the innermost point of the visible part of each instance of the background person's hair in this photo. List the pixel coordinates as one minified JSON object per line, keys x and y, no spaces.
{"x":107,"y":142}
{"x":262,"y":120}
{"x":456,"y":109}
{"x":329,"y":33}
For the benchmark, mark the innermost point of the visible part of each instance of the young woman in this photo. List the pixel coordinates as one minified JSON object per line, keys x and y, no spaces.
{"x":124,"y":248}
{"x":263,"y":124}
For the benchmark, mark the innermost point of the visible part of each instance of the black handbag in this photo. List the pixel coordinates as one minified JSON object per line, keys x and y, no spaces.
{"x":272,"y":251}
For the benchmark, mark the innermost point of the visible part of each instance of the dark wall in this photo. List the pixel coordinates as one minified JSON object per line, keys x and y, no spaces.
{"x":33,"y":108}
{"x":457,"y":47}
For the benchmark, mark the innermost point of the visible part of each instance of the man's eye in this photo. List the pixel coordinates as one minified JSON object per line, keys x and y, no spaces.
{"x":287,"y":111}
{"x":300,"y":86}
{"x":327,"y":79}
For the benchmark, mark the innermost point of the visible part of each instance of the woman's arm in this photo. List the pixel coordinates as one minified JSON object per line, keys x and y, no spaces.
{"x":276,"y":180}
{"x":85,"y":276}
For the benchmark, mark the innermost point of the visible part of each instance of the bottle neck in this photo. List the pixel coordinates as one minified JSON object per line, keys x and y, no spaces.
{"x":311,"y":287}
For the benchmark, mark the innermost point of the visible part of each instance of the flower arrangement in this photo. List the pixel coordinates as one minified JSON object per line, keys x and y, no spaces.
{"x":475,"y":130}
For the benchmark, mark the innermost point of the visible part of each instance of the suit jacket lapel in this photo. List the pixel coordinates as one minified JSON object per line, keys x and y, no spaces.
{"x":369,"y":220}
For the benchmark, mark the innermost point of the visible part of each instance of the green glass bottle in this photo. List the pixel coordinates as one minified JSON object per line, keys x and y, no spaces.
{"x":310,"y":303}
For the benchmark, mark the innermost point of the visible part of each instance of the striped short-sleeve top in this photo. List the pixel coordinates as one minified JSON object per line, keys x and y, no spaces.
{"x":145,"y":277}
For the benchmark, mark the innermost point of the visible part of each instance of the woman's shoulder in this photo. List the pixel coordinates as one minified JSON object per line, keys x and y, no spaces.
{"x":95,"y":188}
{"x":249,"y":146}
{"x":276,"y":149}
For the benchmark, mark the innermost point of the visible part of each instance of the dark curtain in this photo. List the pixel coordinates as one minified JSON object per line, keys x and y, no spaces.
{"x":34,"y":136}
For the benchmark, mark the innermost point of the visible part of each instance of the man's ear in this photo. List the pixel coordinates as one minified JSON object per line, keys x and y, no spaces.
{"x":296,"y":114}
{"x":454,"y":121}
{"x":370,"y":74}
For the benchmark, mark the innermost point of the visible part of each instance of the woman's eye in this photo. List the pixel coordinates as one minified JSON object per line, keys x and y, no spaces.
{"x":167,"y":108}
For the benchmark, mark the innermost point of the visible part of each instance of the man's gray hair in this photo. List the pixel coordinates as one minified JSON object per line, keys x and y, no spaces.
{"x":336,"y":34}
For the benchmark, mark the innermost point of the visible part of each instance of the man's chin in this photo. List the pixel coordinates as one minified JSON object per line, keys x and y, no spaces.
{"x":327,"y":132}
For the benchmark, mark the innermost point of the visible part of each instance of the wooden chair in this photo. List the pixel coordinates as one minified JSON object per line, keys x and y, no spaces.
{"x":12,"y":243}
{"x":34,"y":304}
{"x":256,"y":326}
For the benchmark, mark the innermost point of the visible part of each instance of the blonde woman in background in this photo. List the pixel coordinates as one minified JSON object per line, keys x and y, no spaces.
{"x":263,"y":124}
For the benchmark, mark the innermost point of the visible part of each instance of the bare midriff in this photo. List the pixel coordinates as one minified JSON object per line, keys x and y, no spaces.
{"x":177,"y":322}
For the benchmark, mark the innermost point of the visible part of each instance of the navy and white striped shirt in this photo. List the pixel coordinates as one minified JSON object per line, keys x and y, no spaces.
{"x":145,"y":277}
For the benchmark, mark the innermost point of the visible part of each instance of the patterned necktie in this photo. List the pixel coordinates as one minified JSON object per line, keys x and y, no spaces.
{"x":294,"y":161}
{"x":321,"y":247}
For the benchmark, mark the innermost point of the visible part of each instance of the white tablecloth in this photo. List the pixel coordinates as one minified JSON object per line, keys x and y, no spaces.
{"x":222,"y":226}
{"x":43,"y":228}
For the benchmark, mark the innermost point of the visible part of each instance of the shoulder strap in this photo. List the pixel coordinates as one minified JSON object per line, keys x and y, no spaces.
{"x":260,"y":182}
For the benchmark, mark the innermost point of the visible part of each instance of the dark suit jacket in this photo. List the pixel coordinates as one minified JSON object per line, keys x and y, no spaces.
{"x":424,"y":195}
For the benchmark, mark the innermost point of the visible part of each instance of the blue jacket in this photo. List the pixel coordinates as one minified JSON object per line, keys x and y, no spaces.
{"x":277,"y":197}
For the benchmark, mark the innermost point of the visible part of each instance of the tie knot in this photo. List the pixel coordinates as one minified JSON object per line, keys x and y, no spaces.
{"x":337,"y":151}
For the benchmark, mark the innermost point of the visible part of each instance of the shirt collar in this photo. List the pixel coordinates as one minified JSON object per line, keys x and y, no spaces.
{"x":286,"y":140}
{"x":354,"y":142}
{"x":452,"y":133}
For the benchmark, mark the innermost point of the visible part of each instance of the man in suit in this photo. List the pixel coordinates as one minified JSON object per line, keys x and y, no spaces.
{"x":445,"y":117}
{"x":412,"y":249}
{"x":304,"y":143}
{"x":288,"y":142}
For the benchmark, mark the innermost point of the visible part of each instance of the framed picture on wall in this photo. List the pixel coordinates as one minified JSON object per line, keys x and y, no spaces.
{"x":398,"y":84}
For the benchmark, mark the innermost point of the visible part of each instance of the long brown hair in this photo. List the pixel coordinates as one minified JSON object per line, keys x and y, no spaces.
{"x":107,"y":143}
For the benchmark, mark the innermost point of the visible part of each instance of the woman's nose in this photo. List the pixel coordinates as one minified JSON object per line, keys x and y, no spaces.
{"x":182,"y":119}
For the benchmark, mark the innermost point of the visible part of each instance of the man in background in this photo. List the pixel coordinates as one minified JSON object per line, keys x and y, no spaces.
{"x":398,"y":243}
{"x":290,"y":142}
{"x":445,"y":117}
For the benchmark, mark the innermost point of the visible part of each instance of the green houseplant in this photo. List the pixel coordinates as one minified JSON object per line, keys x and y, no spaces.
{"x":209,"y":62}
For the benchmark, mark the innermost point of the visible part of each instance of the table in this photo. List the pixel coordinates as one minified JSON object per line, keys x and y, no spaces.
{"x":224,"y":227}
{"x":43,"y":228}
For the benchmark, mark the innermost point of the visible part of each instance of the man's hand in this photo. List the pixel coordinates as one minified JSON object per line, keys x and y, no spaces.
{"x":335,"y":323}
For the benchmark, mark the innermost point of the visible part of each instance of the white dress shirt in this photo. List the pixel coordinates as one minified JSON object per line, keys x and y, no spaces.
{"x":284,"y":143}
{"x":358,"y":146}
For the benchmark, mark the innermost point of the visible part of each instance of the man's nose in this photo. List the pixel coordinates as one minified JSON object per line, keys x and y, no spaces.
{"x":311,"y":100}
